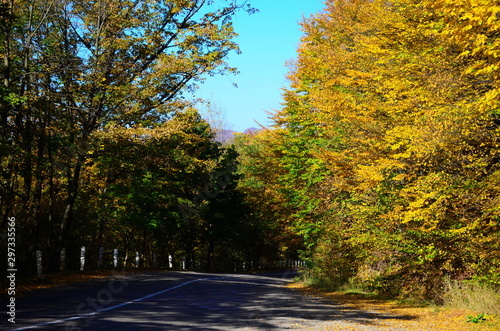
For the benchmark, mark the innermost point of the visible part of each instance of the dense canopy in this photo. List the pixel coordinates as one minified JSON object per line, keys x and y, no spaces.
{"x":382,"y":168}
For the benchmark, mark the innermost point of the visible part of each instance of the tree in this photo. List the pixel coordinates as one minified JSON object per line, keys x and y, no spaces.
{"x":260,"y":172}
{"x":387,"y":143}
{"x":142,"y":176}
{"x":215,"y":115}
{"x":71,"y":69}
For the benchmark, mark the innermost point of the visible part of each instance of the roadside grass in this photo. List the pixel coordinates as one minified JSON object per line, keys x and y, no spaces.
{"x":474,"y":296}
{"x":420,"y":316}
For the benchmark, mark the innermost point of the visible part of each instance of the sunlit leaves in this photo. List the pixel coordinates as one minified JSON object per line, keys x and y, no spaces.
{"x":393,"y":111}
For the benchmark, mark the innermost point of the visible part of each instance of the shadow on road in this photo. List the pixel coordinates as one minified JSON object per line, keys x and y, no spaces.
{"x":235,"y":302}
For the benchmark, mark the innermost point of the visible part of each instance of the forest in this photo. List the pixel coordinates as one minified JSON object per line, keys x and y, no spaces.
{"x":382,"y":168}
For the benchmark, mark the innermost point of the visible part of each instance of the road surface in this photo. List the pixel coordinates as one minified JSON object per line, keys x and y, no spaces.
{"x":186,"y":301}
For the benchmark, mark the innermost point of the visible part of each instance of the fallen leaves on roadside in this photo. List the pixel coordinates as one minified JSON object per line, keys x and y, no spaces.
{"x":416,"y":318}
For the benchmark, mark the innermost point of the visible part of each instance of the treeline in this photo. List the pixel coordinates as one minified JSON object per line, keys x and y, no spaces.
{"x":382,"y":168}
{"x":100,"y":145}
{"x":384,"y":161}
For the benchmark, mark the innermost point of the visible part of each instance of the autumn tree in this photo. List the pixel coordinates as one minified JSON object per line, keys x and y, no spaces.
{"x":71,"y":69}
{"x":140,"y":179}
{"x":388,"y":138}
{"x":260,"y":172}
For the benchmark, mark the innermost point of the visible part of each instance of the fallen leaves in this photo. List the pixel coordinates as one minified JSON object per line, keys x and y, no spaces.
{"x":407,"y":316}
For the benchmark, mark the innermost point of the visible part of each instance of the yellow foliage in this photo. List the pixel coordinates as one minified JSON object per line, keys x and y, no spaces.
{"x":407,"y":96}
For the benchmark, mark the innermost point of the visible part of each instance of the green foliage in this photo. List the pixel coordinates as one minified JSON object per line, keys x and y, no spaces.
{"x":14,"y":99}
{"x":97,"y":141}
{"x":476,"y":319}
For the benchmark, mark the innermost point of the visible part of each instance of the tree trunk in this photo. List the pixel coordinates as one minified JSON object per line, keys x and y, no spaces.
{"x":67,"y":218}
{"x":210,"y":251}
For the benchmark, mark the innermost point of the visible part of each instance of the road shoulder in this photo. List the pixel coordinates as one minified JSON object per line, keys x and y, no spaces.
{"x":422,"y":318}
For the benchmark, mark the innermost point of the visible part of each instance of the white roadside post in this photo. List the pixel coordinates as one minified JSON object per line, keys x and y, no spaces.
{"x":115,"y":258}
{"x":39,"y":263}
{"x":82,"y":258}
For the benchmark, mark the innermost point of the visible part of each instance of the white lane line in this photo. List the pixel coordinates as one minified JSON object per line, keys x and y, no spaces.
{"x":74,"y":318}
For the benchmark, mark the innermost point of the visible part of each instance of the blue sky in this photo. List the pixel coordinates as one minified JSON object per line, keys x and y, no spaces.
{"x":267,"y":40}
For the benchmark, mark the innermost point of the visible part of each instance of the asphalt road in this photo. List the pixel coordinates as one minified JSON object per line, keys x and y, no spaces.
{"x":185,"y":301}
